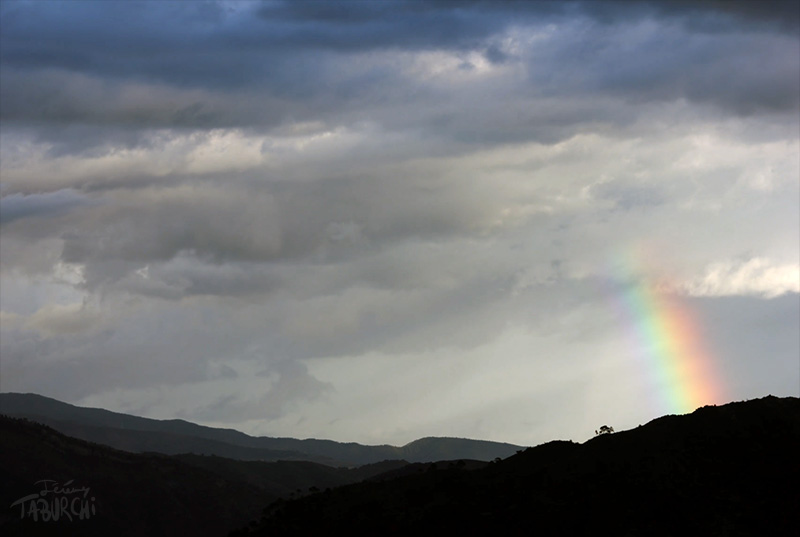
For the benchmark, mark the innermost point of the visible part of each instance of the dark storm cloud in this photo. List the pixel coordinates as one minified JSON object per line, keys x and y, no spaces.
{"x":215,"y":49}
{"x":74,"y":62}
{"x":126,"y":38}
{"x":17,"y":206}
{"x":65,"y":97}
{"x":454,"y":24}
{"x":394,"y":24}
{"x":781,"y":14}
{"x":744,"y":73}
{"x":114,"y":39}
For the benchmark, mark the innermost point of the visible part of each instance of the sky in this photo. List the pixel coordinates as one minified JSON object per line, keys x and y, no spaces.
{"x":379,"y":221}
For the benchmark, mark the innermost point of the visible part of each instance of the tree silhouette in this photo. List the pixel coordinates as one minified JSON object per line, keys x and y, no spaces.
{"x":605,"y":429}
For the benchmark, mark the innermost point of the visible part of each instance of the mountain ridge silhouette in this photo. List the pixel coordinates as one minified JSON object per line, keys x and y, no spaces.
{"x":139,"y":434}
{"x":729,"y":470}
{"x":721,"y":470}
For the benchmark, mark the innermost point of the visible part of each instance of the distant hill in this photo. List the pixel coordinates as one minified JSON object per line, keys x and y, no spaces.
{"x":147,"y":494}
{"x":731,"y":470}
{"x":137,"y":434}
{"x":129,"y":494}
{"x":172,"y":443}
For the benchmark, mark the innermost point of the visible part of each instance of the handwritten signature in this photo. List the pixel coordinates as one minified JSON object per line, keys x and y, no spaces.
{"x":56,"y":501}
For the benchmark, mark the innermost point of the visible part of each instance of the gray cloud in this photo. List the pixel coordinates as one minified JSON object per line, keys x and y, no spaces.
{"x":291,"y":384}
{"x":767,"y":337}
{"x":249,"y":213}
{"x":629,"y":197}
{"x":17,"y":206}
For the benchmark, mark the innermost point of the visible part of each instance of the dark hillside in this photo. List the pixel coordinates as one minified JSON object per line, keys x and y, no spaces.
{"x":137,"y":434}
{"x":131,"y":495}
{"x":443,"y":449}
{"x":289,"y":478}
{"x":148,"y":494}
{"x":728,"y":470}
{"x":172,"y":443}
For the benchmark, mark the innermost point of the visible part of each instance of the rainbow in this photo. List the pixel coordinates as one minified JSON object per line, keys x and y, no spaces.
{"x":667,"y":342}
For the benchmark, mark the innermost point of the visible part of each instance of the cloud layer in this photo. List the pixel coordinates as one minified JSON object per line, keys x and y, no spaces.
{"x":376,"y":221}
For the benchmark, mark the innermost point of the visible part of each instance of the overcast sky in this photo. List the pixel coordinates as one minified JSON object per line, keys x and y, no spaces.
{"x":377,"y":221}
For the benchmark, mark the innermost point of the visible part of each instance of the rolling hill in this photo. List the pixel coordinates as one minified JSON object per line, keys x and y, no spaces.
{"x":145,"y":494}
{"x":128,"y":494}
{"x":728,"y":470}
{"x":731,"y":470}
{"x":137,"y":434}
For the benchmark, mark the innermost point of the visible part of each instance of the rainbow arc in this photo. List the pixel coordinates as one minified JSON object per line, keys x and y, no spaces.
{"x":667,"y":339}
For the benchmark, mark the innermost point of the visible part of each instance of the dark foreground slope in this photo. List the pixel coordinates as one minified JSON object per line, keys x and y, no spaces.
{"x":126,"y":494}
{"x":137,"y":434}
{"x":728,"y":470}
{"x":141,"y":494}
